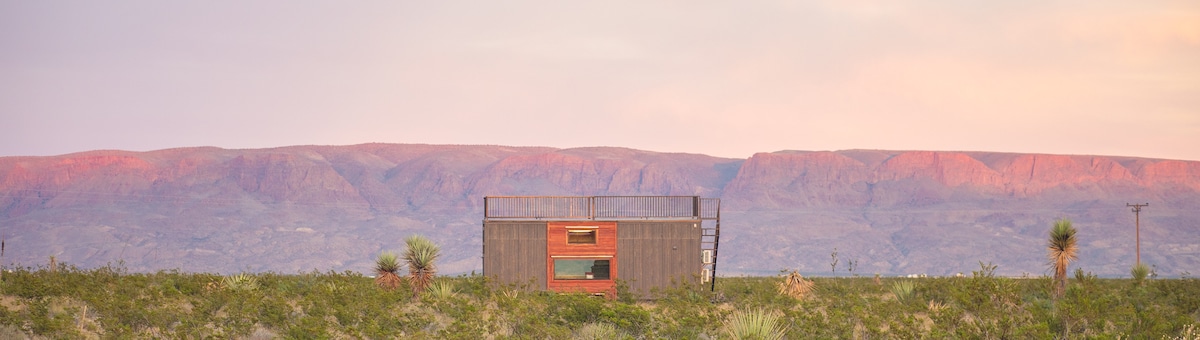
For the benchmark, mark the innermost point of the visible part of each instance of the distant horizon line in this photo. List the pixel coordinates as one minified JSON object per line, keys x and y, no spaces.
{"x":557,"y":148}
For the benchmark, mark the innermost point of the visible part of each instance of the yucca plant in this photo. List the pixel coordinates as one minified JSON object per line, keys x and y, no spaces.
{"x":903,"y":290}
{"x":387,"y":268}
{"x":441,"y":289}
{"x":1139,"y":272}
{"x":755,"y":324}
{"x":795,"y":286}
{"x":420,"y":255}
{"x":240,"y":282}
{"x":1063,"y":249}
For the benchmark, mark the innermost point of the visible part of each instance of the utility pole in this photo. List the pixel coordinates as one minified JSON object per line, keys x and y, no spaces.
{"x":1137,"y":218}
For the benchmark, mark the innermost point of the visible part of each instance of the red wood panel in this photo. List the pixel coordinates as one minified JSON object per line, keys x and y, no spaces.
{"x":605,"y":248}
{"x":606,"y":239}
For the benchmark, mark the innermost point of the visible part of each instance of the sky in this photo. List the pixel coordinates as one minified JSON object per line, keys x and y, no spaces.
{"x":726,"y":79}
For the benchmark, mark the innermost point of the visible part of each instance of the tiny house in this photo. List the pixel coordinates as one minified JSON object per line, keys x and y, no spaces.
{"x":589,"y":243}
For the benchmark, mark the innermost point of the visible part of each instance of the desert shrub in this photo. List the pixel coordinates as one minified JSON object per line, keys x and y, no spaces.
{"x":1084,"y":278}
{"x":8,"y":331}
{"x":109,"y":302}
{"x":687,"y":311}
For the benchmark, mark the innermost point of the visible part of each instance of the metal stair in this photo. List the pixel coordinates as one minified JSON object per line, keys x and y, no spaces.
{"x":710,"y":239}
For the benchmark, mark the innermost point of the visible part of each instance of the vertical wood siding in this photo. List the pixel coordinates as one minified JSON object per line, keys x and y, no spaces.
{"x":606,"y":245}
{"x":515,"y":253}
{"x":652,"y":254}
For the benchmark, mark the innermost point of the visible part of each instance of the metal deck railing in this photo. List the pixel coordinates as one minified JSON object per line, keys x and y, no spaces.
{"x":601,"y":207}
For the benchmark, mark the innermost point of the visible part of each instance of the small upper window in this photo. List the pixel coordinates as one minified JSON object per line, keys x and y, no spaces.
{"x":581,"y":236}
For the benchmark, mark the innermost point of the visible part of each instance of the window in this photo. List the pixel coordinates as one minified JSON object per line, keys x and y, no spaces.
{"x":581,"y":269}
{"x":581,"y":236}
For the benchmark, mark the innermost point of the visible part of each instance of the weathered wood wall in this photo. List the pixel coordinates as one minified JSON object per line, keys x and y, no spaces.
{"x":655,"y":254}
{"x":515,"y":253}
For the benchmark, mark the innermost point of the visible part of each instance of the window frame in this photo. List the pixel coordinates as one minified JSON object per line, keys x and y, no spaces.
{"x":593,"y":230}
{"x":555,"y":266}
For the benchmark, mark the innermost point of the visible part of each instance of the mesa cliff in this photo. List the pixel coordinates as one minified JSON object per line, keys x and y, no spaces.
{"x":304,"y":208}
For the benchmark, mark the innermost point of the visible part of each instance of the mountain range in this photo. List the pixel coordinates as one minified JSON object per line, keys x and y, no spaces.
{"x":304,"y":208}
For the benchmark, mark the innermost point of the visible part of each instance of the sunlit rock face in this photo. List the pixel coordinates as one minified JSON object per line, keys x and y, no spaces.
{"x":306,"y":208}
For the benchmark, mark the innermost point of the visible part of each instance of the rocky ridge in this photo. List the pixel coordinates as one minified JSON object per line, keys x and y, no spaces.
{"x":304,"y":208}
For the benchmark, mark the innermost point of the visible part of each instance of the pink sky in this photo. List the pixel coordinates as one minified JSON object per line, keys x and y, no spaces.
{"x":728,"y":79}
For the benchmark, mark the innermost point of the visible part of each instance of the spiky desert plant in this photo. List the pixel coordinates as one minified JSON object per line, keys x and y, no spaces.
{"x":903,"y":290}
{"x":937,"y":306}
{"x":755,"y":324}
{"x":795,"y":286}
{"x":240,"y":282}
{"x":1139,"y":272}
{"x":442,"y":289}
{"x":387,"y":268}
{"x":1063,"y":249}
{"x":599,"y":331}
{"x":420,"y":255}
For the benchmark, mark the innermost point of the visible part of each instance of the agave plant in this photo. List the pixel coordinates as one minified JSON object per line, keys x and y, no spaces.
{"x":420,"y":255}
{"x":1063,"y":249}
{"x":387,"y":267}
{"x":754,"y":324}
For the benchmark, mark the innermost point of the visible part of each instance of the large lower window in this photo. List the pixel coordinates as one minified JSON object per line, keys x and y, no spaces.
{"x":581,"y":269}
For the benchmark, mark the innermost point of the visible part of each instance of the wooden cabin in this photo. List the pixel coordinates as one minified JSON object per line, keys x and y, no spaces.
{"x":588,"y":243}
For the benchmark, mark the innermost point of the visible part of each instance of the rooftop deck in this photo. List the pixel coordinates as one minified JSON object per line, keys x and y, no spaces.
{"x":601,"y":207}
